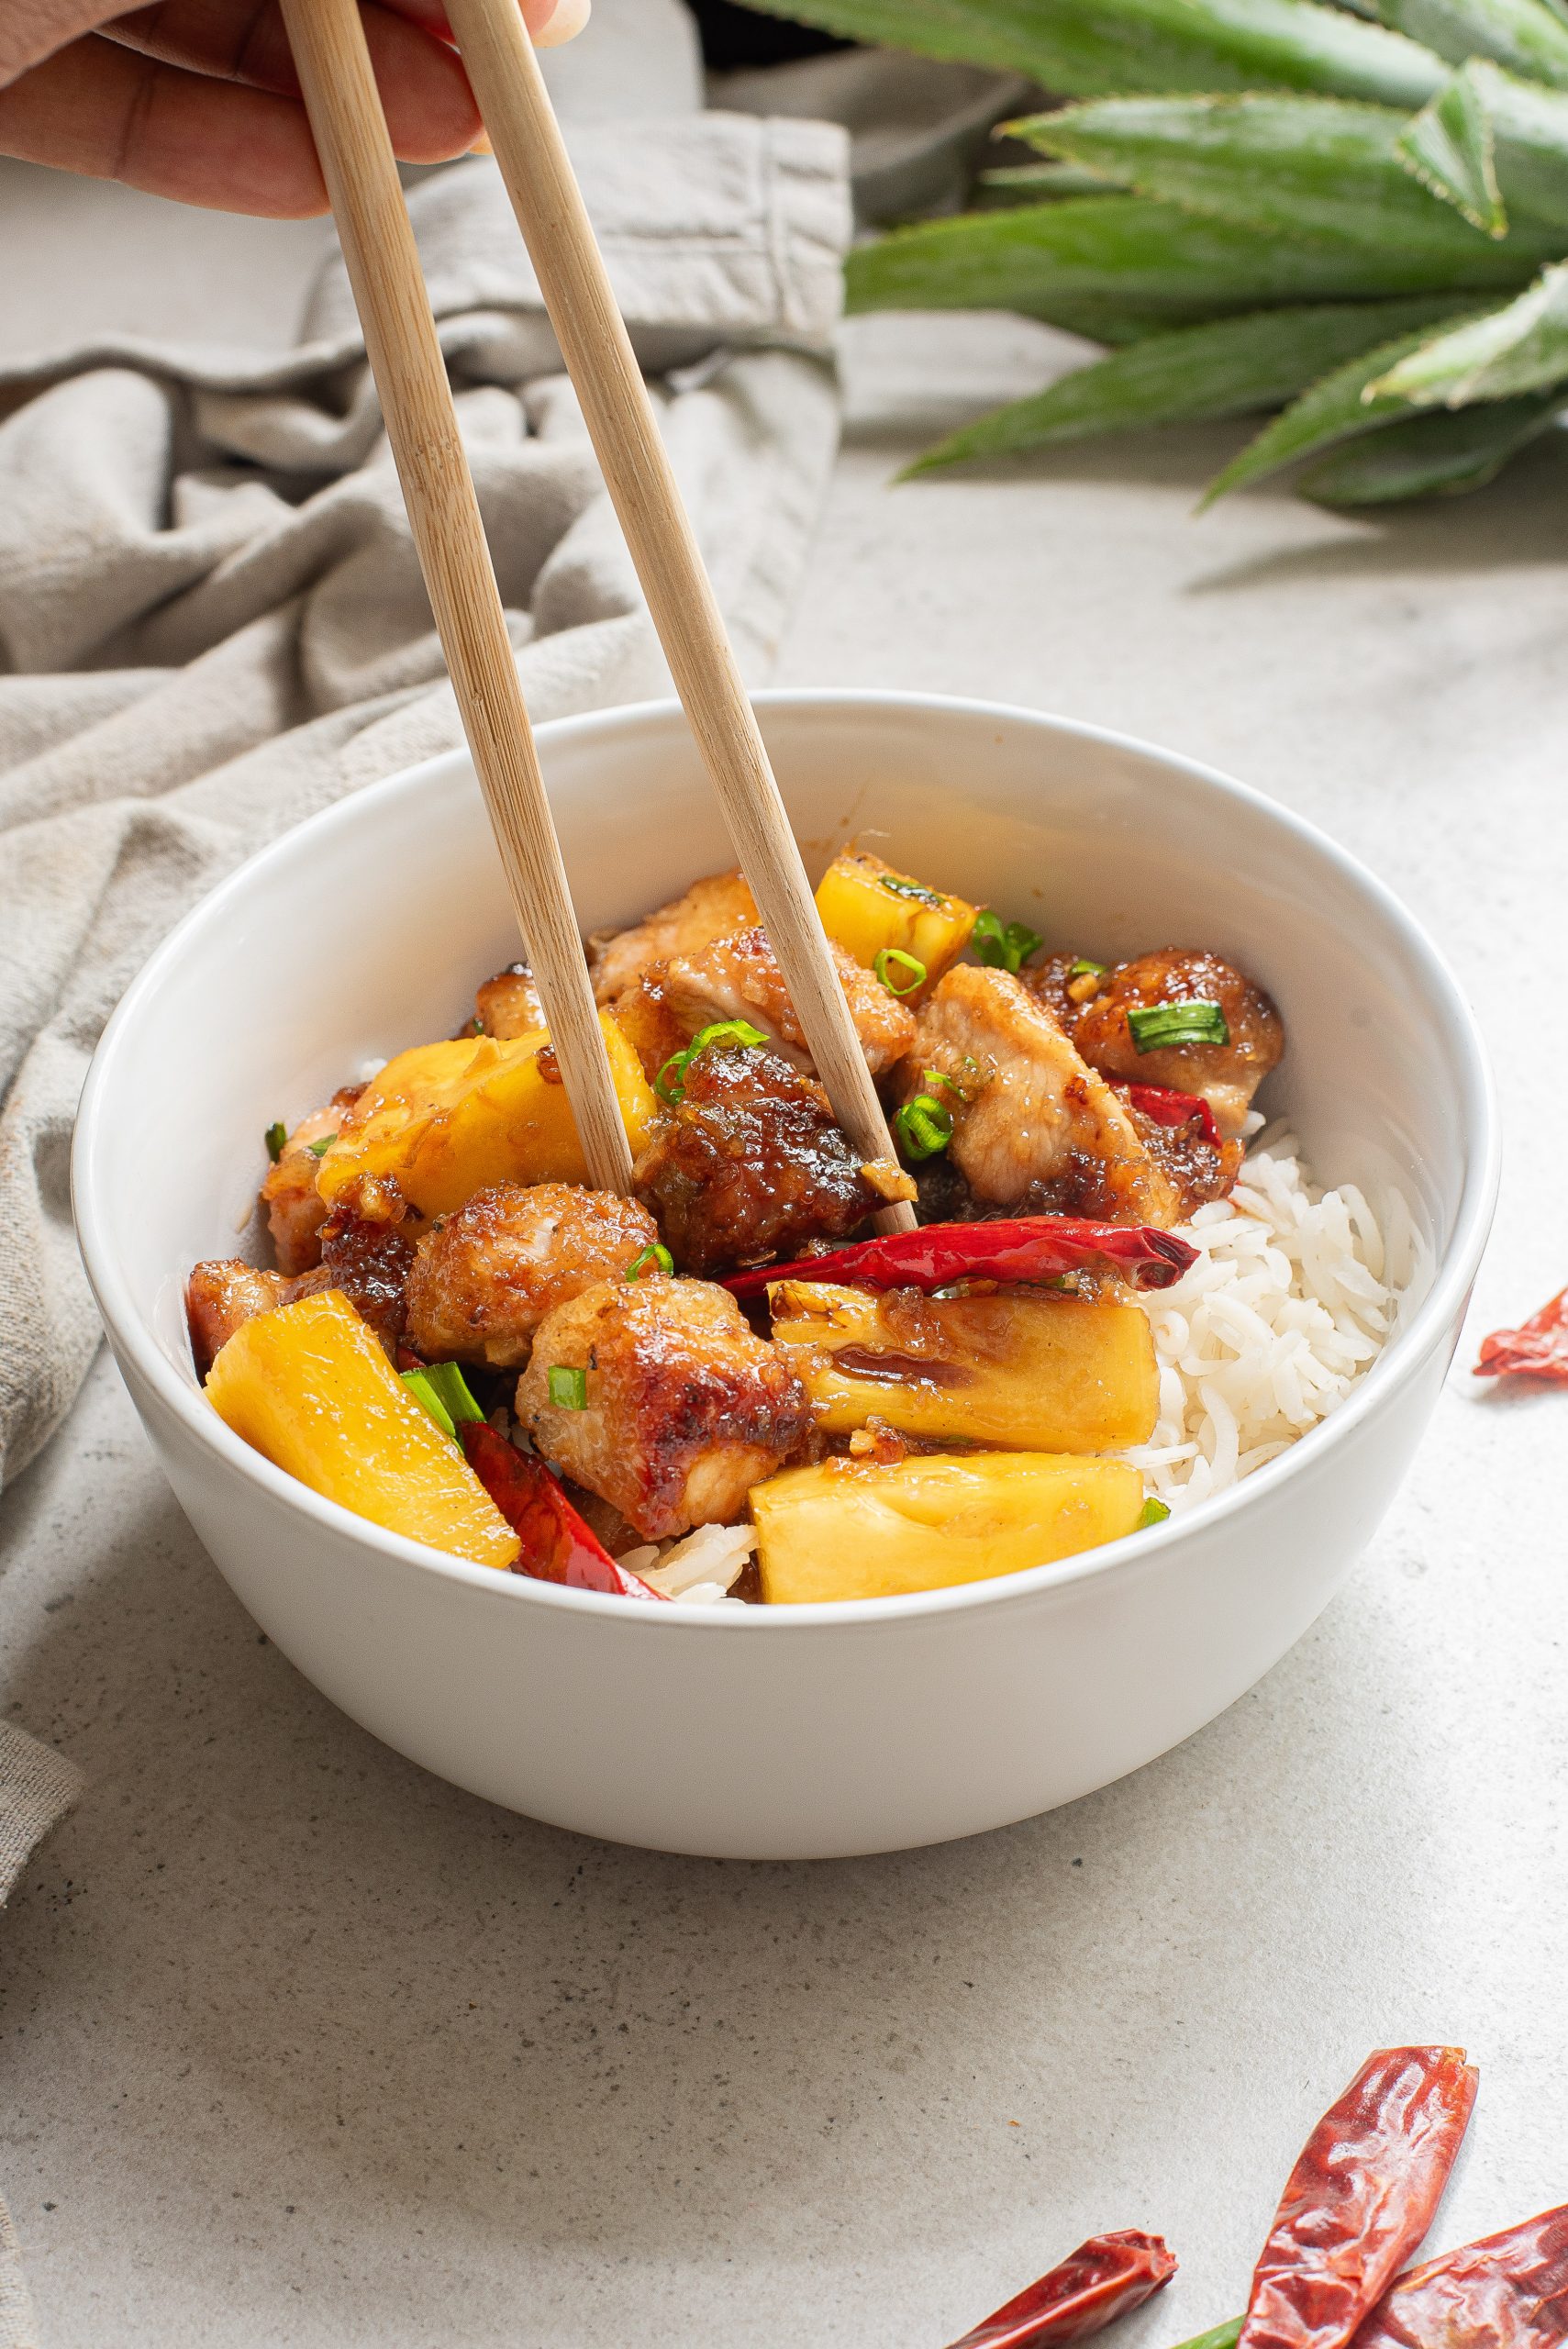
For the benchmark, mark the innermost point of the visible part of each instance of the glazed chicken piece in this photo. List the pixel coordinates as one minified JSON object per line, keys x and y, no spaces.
{"x":749,"y":1163}
{"x":509,"y":1004}
{"x":369,"y":1261}
{"x":684,"y":1411}
{"x":1227,"y":1076}
{"x":738,"y":978}
{"x":294,"y":1207}
{"x":484,"y":1278}
{"x":1034,"y":1126}
{"x":712,"y":907}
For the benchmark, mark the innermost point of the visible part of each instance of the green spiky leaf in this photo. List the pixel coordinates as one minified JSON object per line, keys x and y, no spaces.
{"x":1438,"y":455}
{"x":1288,"y":167}
{"x":1524,"y":35}
{"x":1451,"y":148}
{"x":1339,"y":406}
{"x":1224,"y":368}
{"x":1521,"y":348}
{"x":1082,"y":47}
{"x":1527,"y":129}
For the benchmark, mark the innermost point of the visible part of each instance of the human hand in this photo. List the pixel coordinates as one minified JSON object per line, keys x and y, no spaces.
{"x":197,"y":98}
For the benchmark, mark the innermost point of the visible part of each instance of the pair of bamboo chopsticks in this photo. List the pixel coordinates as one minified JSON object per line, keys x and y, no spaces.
{"x":352,"y":140}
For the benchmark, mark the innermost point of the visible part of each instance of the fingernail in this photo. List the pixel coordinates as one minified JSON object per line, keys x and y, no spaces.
{"x":565,"y":22}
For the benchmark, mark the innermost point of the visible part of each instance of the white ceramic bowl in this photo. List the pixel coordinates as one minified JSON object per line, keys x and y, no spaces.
{"x":812,"y":1731}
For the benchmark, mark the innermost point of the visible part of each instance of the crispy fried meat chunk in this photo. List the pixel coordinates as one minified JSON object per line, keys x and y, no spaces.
{"x":749,"y":1163}
{"x":685,"y":1410}
{"x":509,"y":1004}
{"x":711,"y":908}
{"x":484,"y":1278}
{"x":738,"y":978}
{"x":1227,"y":1076}
{"x":369,"y":1261}
{"x":294,"y":1207}
{"x":1034,"y":1126}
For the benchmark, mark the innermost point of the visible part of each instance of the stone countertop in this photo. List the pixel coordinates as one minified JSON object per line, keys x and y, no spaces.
{"x":305,"y":2047}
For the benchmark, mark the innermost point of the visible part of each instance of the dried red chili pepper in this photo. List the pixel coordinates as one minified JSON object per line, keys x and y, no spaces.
{"x":1167,"y":1106}
{"x":1018,"y":1248}
{"x":1537,"y":1349}
{"x":558,"y":1545}
{"x":1360,"y":2199}
{"x":1508,"y":2291}
{"x":1102,"y":2280}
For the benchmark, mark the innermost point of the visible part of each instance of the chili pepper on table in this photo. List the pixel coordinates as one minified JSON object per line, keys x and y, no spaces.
{"x":1167,"y":1106}
{"x":1359,"y":2197}
{"x":1537,"y":1349}
{"x":1506,"y":2291}
{"x":1103,"y":2279}
{"x":558,"y":1544}
{"x":1019,"y":1248}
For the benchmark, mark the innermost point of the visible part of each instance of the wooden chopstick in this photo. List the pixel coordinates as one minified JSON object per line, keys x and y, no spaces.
{"x":526,"y":136}
{"x":352,"y":140}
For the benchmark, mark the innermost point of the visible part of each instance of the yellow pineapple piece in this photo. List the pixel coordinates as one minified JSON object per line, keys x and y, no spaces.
{"x":445,"y":1120}
{"x":310,"y":1387}
{"x":848,"y":1529}
{"x":866,"y":908}
{"x":1041,"y":1373}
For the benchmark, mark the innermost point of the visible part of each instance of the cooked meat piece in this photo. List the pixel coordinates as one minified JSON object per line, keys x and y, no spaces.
{"x":295,"y":1210}
{"x":1063,"y":984}
{"x":222,"y":1294}
{"x":484,"y":1277}
{"x":738,"y":978}
{"x":749,"y":1163}
{"x":685,"y":1411}
{"x":369,"y":1261}
{"x":509,"y":1004}
{"x":1227,"y":1076}
{"x":1199,"y":1170}
{"x":1033,"y":1125}
{"x":711,"y":908}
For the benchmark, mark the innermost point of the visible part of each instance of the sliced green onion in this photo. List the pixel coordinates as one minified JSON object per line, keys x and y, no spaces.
{"x":1155,"y":1513}
{"x":1154,"y":1027}
{"x":1003,"y":949}
{"x":897,"y":885}
{"x":1086,"y":969}
{"x":319,"y":1149}
{"x":568,"y":1388}
{"x":422,"y":1388}
{"x":931,"y":1077}
{"x":655,"y":1257}
{"x":275,"y":1136}
{"x":670,"y":1081}
{"x":924,"y":1126}
{"x":911,"y":962}
{"x":451,"y":1391}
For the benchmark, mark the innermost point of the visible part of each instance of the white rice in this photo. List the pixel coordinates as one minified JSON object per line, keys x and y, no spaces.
{"x":700,"y":1568}
{"x":1294,"y":1294}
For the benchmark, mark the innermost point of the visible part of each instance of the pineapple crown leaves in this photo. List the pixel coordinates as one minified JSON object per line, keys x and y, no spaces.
{"x":1363,"y":220}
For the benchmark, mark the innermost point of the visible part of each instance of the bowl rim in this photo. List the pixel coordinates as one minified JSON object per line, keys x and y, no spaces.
{"x":133,"y":1337}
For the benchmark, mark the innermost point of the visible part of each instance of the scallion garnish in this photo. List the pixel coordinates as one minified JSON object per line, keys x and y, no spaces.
{"x":1155,"y":1513}
{"x":670,"y":1081}
{"x":896,"y":885}
{"x":924,"y":1126}
{"x":883,"y":965}
{"x":1003,"y":949}
{"x":931,"y":1077}
{"x":568,"y":1388}
{"x":1154,"y":1027}
{"x":422,"y":1388}
{"x":276,"y":1136}
{"x":655,"y":1257}
{"x":1086,"y":969}
{"x":452,"y":1391}
{"x":319,"y":1149}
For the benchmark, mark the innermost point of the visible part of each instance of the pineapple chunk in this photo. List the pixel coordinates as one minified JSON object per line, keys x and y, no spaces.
{"x":866,"y":907}
{"x":849,"y":1530}
{"x":310,"y":1387}
{"x":445,"y":1120}
{"x":1040,"y":1373}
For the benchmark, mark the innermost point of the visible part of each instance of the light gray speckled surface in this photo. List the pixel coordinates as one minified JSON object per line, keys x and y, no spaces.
{"x":304,"y":2047}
